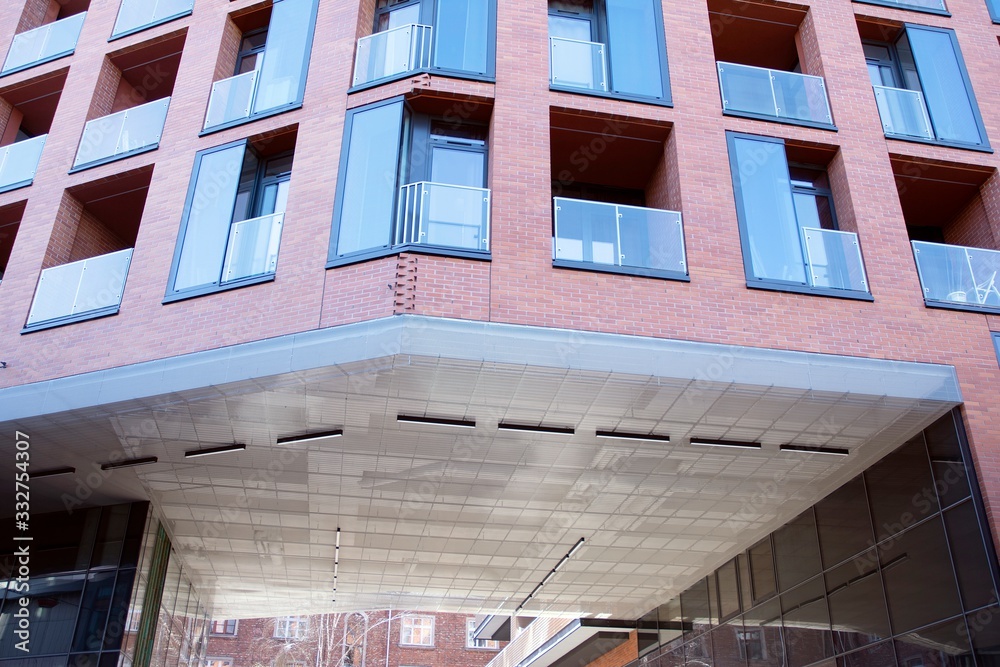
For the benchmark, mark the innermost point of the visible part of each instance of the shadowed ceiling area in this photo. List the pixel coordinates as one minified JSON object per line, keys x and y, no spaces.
{"x":757,"y":34}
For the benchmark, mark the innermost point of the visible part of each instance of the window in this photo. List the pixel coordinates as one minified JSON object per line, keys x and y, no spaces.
{"x":609,"y":47}
{"x":751,"y":644}
{"x":788,"y":226}
{"x":233,"y":218}
{"x":269,"y":72}
{"x":291,"y":627}
{"x":472,"y":642}
{"x":922,"y":88}
{"x":453,"y":37}
{"x":410,"y":180}
{"x":928,"y":6}
{"x":136,"y":15}
{"x":417,"y":630}
{"x":224,"y":627}
{"x":218,"y":662}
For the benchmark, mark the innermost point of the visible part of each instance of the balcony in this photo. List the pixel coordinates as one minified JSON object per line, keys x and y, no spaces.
{"x":135,"y":15}
{"x":50,"y":41}
{"x":385,"y":54}
{"x":631,"y":239}
{"x":123,"y":133}
{"x":577,"y":64}
{"x":785,"y":96}
{"x":934,"y":6}
{"x":231,"y":99}
{"x":903,"y":112}
{"x":958,"y":276}
{"x":19,"y":161}
{"x":833,"y":260}
{"x":89,"y":287}
{"x":252,"y":249}
{"x":446,"y":216}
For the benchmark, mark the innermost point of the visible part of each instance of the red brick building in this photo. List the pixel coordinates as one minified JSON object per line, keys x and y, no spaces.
{"x":650,"y":318}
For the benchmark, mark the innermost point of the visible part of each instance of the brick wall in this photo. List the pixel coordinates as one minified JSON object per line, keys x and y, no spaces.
{"x":620,"y":655}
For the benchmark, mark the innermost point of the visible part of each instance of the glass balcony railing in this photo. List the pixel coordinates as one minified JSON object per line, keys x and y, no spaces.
{"x":577,"y":64}
{"x":80,"y":287}
{"x":48,"y":42}
{"x":19,"y":161}
{"x":231,"y":99}
{"x":122,"y":133}
{"x":450,"y":216}
{"x":136,"y":14}
{"x":253,"y":247}
{"x":833,"y":259}
{"x":774,"y":93}
{"x":624,"y":236}
{"x":903,"y":112}
{"x":937,"y":5}
{"x":392,"y":52}
{"x":958,"y":275}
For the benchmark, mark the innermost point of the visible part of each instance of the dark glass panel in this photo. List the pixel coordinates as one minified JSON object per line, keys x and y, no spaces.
{"x":634,"y":47}
{"x":984,"y":628}
{"x":673,"y":657}
{"x":762,"y":569}
{"x":807,"y":624}
{"x":94,"y":605}
{"x":110,"y":659}
{"x":462,"y":38}
{"x":133,"y":535}
{"x":670,"y":621}
{"x":110,"y":534}
{"x":726,"y":646}
{"x":118,"y":616}
{"x":713,"y":599}
{"x":54,"y":601}
{"x":746,"y":593}
{"x":762,"y":627}
{"x":697,"y":612}
{"x":699,"y":651}
{"x":857,"y":603}
{"x":943,"y":645}
{"x":901,"y":489}
{"x":796,"y":551}
{"x":968,"y":550}
{"x":844,"y":523}
{"x":879,"y":655}
{"x":83,"y":660}
{"x":729,"y":590}
{"x":647,"y":636}
{"x":951,"y":479}
{"x":919,"y":581}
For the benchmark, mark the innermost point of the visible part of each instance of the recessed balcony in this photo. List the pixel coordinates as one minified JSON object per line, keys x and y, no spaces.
{"x":771,"y":93}
{"x":88,"y":286}
{"x":19,"y":161}
{"x":120,"y":134}
{"x":447,"y":216}
{"x":958,"y":275}
{"x":48,"y":42}
{"x":136,"y":15}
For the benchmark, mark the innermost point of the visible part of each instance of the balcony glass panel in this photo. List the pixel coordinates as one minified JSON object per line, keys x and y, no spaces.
{"x":774,"y":93}
{"x":833,"y":259}
{"x":135,"y":14}
{"x":577,"y":64}
{"x":626,"y":236}
{"x":48,"y":41}
{"x":80,"y":287}
{"x":392,"y":52}
{"x":231,"y":99}
{"x":19,"y":161}
{"x":958,"y":275}
{"x":123,"y":132}
{"x":253,"y":247}
{"x":450,"y":216}
{"x":903,"y":112}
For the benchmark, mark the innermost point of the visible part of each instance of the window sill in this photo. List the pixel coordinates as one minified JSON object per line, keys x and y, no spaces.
{"x":664,"y":102}
{"x":114,"y":158}
{"x":621,"y":270}
{"x":904,"y":7}
{"x":985,"y":148}
{"x":37,"y":63}
{"x":72,"y":319}
{"x":196,"y":292}
{"x":448,"y":73}
{"x":147,"y":26}
{"x":967,"y":307}
{"x":783,"y":121}
{"x":774,"y":286}
{"x":414,"y":248}
{"x":17,"y":186}
{"x":423,"y":646}
{"x":292,"y":106}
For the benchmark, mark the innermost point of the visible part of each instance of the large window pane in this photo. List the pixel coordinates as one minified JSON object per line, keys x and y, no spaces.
{"x":944,"y":645}
{"x":949,"y":101}
{"x":211,"y":211}
{"x":971,"y":560}
{"x":670,"y":621}
{"x":53,"y":606}
{"x":796,"y":551}
{"x":879,"y":655}
{"x":951,"y":479}
{"x":635,"y":47}
{"x":94,"y":608}
{"x":762,"y":569}
{"x":696,"y":608}
{"x":462,"y":39}
{"x":984,"y":628}
{"x":807,"y":624}
{"x":901,"y":489}
{"x":729,"y":590}
{"x":765,"y":193}
{"x":763,"y":635}
{"x":285,"y":54}
{"x":370,"y":180}
{"x":844,"y":523}
{"x":857,"y":603}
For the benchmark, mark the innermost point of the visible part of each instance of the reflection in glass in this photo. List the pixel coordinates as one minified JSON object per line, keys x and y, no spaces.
{"x":843,"y":522}
{"x":634,"y":47}
{"x":901,"y":489}
{"x":53,"y":608}
{"x":796,"y":551}
{"x":461,"y":28}
{"x":762,"y":570}
{"x":878,"y":655}
{"x":807,"y":623}
{"x":972,"y":564}
{"x":762,"y":628}
{"x":857,"y":604}
{"x":950,"y":476}
{"x":695,"y":605}
{"x":944,"y":645}
{"x":729,"y":593}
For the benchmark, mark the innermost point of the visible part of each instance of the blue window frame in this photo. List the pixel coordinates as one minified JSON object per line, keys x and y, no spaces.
{"x":996,"y":344}
{"x":927,"y":6}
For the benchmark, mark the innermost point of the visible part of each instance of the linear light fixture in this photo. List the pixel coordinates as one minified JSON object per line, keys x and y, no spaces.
{"x":195,"y":453}
{"x":436,"y":421}
{"x":552,"y":572}
{"x":336,"y":563}
{"x":730,"y":444}
{"x":625,"y":435}
{"x":804,"y":449}
{"x":310,"y":437}
{"x":529,"y":428}
{"x":53,"y":472}
{"x":130,"y":463}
